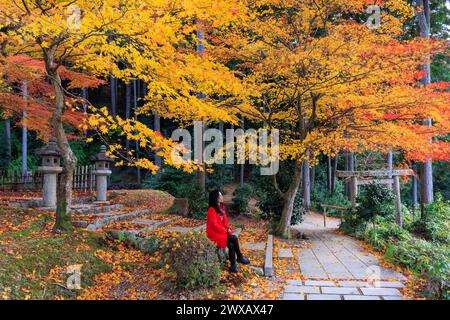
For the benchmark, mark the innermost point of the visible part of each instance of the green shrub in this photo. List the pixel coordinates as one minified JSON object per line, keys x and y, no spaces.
{"x":241,"y":198}
{"x":423,"y":258}
{"x":434,"y":224}
{"x":353,"y":224}
{"x":269,"y":201}
{"x":375,"y":200}
{"x":193,"y":259}
{"x":320,"y":195}
{"x":385,"y":234}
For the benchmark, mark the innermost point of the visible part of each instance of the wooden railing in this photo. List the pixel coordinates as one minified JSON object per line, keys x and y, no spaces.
{"x":83,"y":180}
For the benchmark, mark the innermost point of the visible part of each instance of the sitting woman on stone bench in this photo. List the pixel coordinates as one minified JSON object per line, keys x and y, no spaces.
{"x":219,"y":231}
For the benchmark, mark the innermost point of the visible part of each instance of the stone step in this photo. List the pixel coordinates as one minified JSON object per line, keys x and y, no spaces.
{"x":39,"y":203}
{"x":268,"y":262}
{"x":116,"y":218}
{"x":92,"y":208}
{"x":156,"y":225}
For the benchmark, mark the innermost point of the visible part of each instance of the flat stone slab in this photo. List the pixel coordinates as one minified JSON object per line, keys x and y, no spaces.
{"x":294,"y":282}
{"x":122,"y":217}
{"x":260,"y":246}
{"x":340,"y":290}
{"x":381,"y":292}
{"x":301,"y":289}
{"x":323,"y":297}
{"x":293,"y":296}
{"x":353,"y":284}
{"x":179,"y":229}
{"x":359,"y":297}
{"x":393,"y":284}
{"x":268,"y":262}
{"x":285,"y":253}
{"x":320,"y":283}
{"x":145,"y":221}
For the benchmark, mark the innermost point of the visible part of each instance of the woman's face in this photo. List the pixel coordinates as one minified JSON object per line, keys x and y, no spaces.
{"x":220,"y":198}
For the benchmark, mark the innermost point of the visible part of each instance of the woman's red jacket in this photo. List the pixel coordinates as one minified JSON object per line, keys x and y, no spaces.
{"x":216,"y":228}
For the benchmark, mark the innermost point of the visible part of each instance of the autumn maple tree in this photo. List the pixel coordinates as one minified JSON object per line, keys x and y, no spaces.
{"x":330,"y":83}
{"x":146,"y":39}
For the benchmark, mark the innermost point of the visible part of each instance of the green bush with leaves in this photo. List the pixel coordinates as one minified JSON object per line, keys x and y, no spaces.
{"x":320,"y":195}
{"x":375,"y":200}
{"x":194,"y":260}
{"x":241,"y":198}
{"x":434,"y":223}
{"x":385,"y":234}
{"x":269,"y":202}
{"x":425,"y":258}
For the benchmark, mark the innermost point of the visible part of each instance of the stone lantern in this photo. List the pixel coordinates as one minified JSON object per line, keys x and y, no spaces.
{"x":50,"y":168}
{"x":102,"y":171}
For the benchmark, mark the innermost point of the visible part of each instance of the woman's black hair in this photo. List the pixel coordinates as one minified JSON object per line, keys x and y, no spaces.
{"x":214,"y":201}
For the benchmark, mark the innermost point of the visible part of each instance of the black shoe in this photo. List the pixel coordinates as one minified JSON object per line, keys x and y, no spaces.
{"x":243,"y":260}
{"x":233,"y":268}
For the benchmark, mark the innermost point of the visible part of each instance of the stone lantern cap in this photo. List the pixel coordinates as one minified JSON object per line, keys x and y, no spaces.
{"x":51,"y":149}
{"x":101,"y":156}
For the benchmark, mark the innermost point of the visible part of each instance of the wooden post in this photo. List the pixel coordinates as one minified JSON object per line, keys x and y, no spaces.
{"x":398,"y":201}
{"x":325,"y":217}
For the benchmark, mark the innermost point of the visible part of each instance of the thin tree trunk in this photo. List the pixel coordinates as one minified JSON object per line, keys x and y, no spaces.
{"x":312,"y":176}
{"x":414,"y":188}
{"x":201,"y":175}
{"x":283,"y":228}
{"x":390,"y":163}
{"x":136,"y":93}
{"x":8,"y":144}
{"x":157,"y":127}
{"x":349,"y":166}
{"x":64,"y":189}
{"x":329,"y":173}
{"x":113,"y":96}
{"x":334,"y":164}
{"x":306,"y":186}
{"x":24,"y":133}
{"x":127,"y":110}
{"x":423,"y":16}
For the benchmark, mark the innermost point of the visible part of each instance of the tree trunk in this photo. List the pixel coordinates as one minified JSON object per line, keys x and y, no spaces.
{"x":312,"y":176}
{"x":349,"y":166}
{"x":390,"y":164}
{"x":113,"y":96}
{"x":423,"y":16}
{"x":136,"y":94}
{"x":283,"y":228}
{"x":157,"y":127}
{"x":334,"y":163}
{"x":306,"y":186}
{"x":127,"y":110}
{"x":414,"y":188}
{"x":63,"y":221}
{"x":329,"y":173}
{"x":24,"y":133}
{"x":8,"y":141}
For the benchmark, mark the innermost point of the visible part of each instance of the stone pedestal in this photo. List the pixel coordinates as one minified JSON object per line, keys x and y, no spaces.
{"x":50,"y":180}
{"x":102,"y":171}
{"x":50,"y":169}
{"x":101,"y":177}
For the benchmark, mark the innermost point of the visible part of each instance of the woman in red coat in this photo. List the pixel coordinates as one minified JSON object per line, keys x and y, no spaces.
{"x":219,"y":231}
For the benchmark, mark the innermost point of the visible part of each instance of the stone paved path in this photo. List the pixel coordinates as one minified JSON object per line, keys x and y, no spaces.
{"x":339,"y":268}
